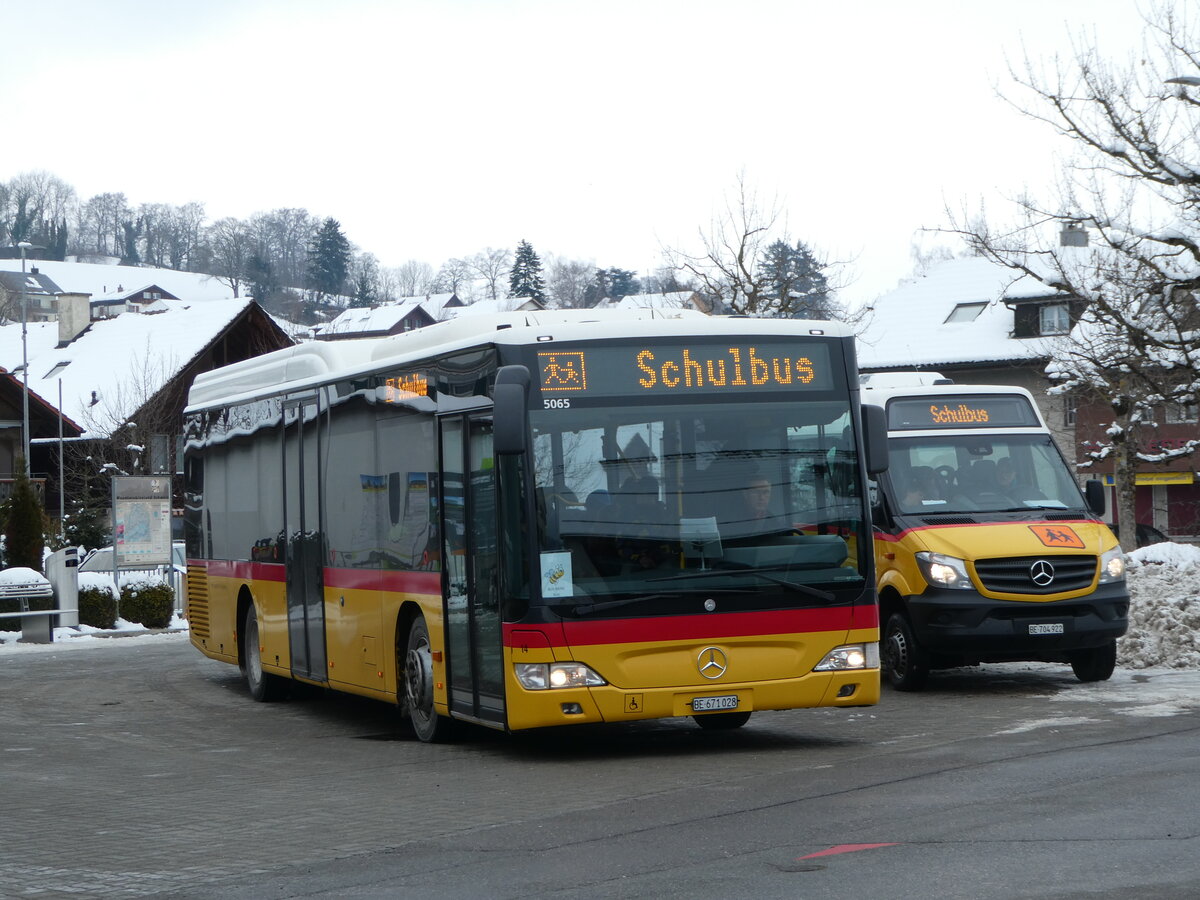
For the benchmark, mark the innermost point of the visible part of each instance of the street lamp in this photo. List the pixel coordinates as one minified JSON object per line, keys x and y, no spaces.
{"x":24,"y":245}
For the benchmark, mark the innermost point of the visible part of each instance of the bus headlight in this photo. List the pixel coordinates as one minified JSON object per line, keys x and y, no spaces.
{"x":1112,"y":566}
{"x":944,"y":571}
{"x":546,"y":676}
{"x":850,"y":656}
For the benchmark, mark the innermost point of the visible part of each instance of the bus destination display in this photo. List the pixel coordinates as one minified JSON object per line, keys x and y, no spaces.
{"x":994,"y":411}
{"x":697,"y":369}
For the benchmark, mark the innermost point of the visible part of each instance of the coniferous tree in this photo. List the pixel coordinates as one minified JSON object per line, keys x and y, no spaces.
{"x":794,"y":281}
{"x":526,"y":279}
{"x":24,"y":524}
{"x":328,"y":259}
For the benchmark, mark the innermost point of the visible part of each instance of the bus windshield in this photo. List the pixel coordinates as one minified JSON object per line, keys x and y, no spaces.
{"x":979,"y":473}
{"x":756,"y":500}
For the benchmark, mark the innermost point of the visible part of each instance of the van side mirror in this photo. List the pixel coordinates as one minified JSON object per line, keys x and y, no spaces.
{"x":875,"y":438}
{"x":1093,"y":493}
{"x":510,"y":410}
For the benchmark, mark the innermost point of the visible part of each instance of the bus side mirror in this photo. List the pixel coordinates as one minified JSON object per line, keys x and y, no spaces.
{"x":510,"y":410}
{"x":1093,"y":493}
{"x":875,"y":437}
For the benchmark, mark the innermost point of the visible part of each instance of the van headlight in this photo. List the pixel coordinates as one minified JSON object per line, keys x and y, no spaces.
{"x":850,"y":656}
{"x":944,"y":571}
{"x":1112,"y":566}
{"x":547,"y":676}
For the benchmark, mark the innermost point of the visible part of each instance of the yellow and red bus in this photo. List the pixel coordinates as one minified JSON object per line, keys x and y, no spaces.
{"x":541,"y":519}
{"x":986,"y":549}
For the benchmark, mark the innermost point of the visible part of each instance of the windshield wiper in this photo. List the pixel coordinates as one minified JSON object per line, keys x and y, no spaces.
{"x":586,"y":609}
{"x":761,"y":573}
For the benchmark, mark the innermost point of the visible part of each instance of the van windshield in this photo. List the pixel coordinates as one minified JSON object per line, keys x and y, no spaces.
{"x":979,"y":473}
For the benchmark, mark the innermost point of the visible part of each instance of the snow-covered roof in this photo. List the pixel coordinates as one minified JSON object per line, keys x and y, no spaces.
{"x":672,"y":300}
{"x":114,"y":367}
{"x":374,"y":320}
{"x":101,"y":280}
{"x":490,"y":307}
{"x":909,"y":326}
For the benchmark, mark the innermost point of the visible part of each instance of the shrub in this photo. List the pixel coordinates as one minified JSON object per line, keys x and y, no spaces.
{"x":97,"y":607}
{"x":150,"y":603}
{"x":25,"y":523}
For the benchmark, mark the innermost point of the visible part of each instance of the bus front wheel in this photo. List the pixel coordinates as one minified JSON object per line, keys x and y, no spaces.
{"x":1095,"y":664}
{"x":905,"y":663}
{"x":418,"y":686}
{"x":263,"y":687}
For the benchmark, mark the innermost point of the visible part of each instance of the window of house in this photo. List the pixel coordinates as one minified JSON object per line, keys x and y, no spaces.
{"x":1182,"y":413}
{"x":1054,"y":318}
{"x":965,"y":312}
{"x":1069,"y":409}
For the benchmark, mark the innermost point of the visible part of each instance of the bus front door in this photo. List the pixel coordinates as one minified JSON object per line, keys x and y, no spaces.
{"x":473,"y":635}
{"x":302,"y":521}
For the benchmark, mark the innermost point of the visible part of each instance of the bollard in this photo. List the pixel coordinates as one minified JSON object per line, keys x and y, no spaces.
{"x":62,"y":570}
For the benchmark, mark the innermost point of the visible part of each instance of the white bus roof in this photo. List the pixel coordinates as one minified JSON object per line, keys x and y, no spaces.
{"x":879,"y":396}
{"x":320,"y":362}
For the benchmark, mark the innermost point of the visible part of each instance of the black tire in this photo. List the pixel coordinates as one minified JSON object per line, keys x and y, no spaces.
{"x":418,"y":687}
{"x":722,"y":721}
{"x":263,"y":687}
{"x":905,"y":662}
{"x":1095,"y":664}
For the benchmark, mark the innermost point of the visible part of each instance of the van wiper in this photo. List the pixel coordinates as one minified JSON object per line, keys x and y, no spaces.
{"x":761,"y":573}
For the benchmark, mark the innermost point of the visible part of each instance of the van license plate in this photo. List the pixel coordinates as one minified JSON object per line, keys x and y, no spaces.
{"x":1049,"y":628}
{"x":708,"y":704}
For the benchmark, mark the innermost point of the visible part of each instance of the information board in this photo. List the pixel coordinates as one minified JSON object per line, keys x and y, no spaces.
{"x":141,"y":521}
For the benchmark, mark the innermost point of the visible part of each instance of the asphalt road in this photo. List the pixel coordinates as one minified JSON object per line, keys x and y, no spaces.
{"x":140,"y":768}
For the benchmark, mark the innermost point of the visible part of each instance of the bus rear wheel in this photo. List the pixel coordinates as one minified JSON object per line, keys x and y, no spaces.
{"x":1095,"y":664}
{"x":905,"y":663}
{"x":722,"y":721}
{"x":418,"y":686}
{"x":263,"y":687}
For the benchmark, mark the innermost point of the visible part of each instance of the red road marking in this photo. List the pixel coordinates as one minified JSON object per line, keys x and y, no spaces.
{"x":847,"y":848}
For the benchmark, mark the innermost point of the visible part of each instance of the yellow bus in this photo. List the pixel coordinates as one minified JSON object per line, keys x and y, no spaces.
{"x":541,"y":519}
{"x":986,"y":550}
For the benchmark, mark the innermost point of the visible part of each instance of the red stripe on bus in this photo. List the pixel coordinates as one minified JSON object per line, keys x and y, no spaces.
{"x":345,"y":579}
{"x":713,"y":626}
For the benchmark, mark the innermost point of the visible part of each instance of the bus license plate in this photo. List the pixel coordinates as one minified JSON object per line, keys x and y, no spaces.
{"x":708,"y":704}
{"x":1048,"y":628}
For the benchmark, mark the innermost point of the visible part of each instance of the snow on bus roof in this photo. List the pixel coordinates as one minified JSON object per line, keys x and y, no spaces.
{"x":314,"y":363}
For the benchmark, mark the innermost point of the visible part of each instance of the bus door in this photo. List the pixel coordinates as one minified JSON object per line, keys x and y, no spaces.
{"x":302,"y":522}
{"x":471,"y":572}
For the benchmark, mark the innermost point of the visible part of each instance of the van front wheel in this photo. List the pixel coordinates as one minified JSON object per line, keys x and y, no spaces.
{"x":905,"y":662}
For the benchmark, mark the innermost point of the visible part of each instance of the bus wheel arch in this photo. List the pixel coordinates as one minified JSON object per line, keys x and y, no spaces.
{"x":263,"y":686}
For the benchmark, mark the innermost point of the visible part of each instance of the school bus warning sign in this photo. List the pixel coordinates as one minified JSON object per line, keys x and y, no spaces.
{"x":1058,"y":536}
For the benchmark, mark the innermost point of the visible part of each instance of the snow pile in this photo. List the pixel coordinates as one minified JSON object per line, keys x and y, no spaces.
{"x":1164,"y":615}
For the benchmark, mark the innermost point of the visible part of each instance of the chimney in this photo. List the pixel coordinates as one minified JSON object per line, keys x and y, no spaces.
{"x":1073,"y":234}
{"x":74,"y":316}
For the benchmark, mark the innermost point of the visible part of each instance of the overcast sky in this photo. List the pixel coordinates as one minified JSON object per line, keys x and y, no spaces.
{"x":595,"y":130}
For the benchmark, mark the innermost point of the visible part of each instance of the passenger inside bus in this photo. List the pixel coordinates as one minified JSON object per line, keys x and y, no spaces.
{"x":919,"y":489}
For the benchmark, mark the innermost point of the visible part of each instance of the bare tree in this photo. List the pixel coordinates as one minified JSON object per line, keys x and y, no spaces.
{"x":493,"y":267}
{"x":413,"y":278}
{"x":730,"y":268}
{"x":567,"y":282}
{"x":1133,"y":188}
{"x":230,"y":244}
{"x":455,"y":276}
